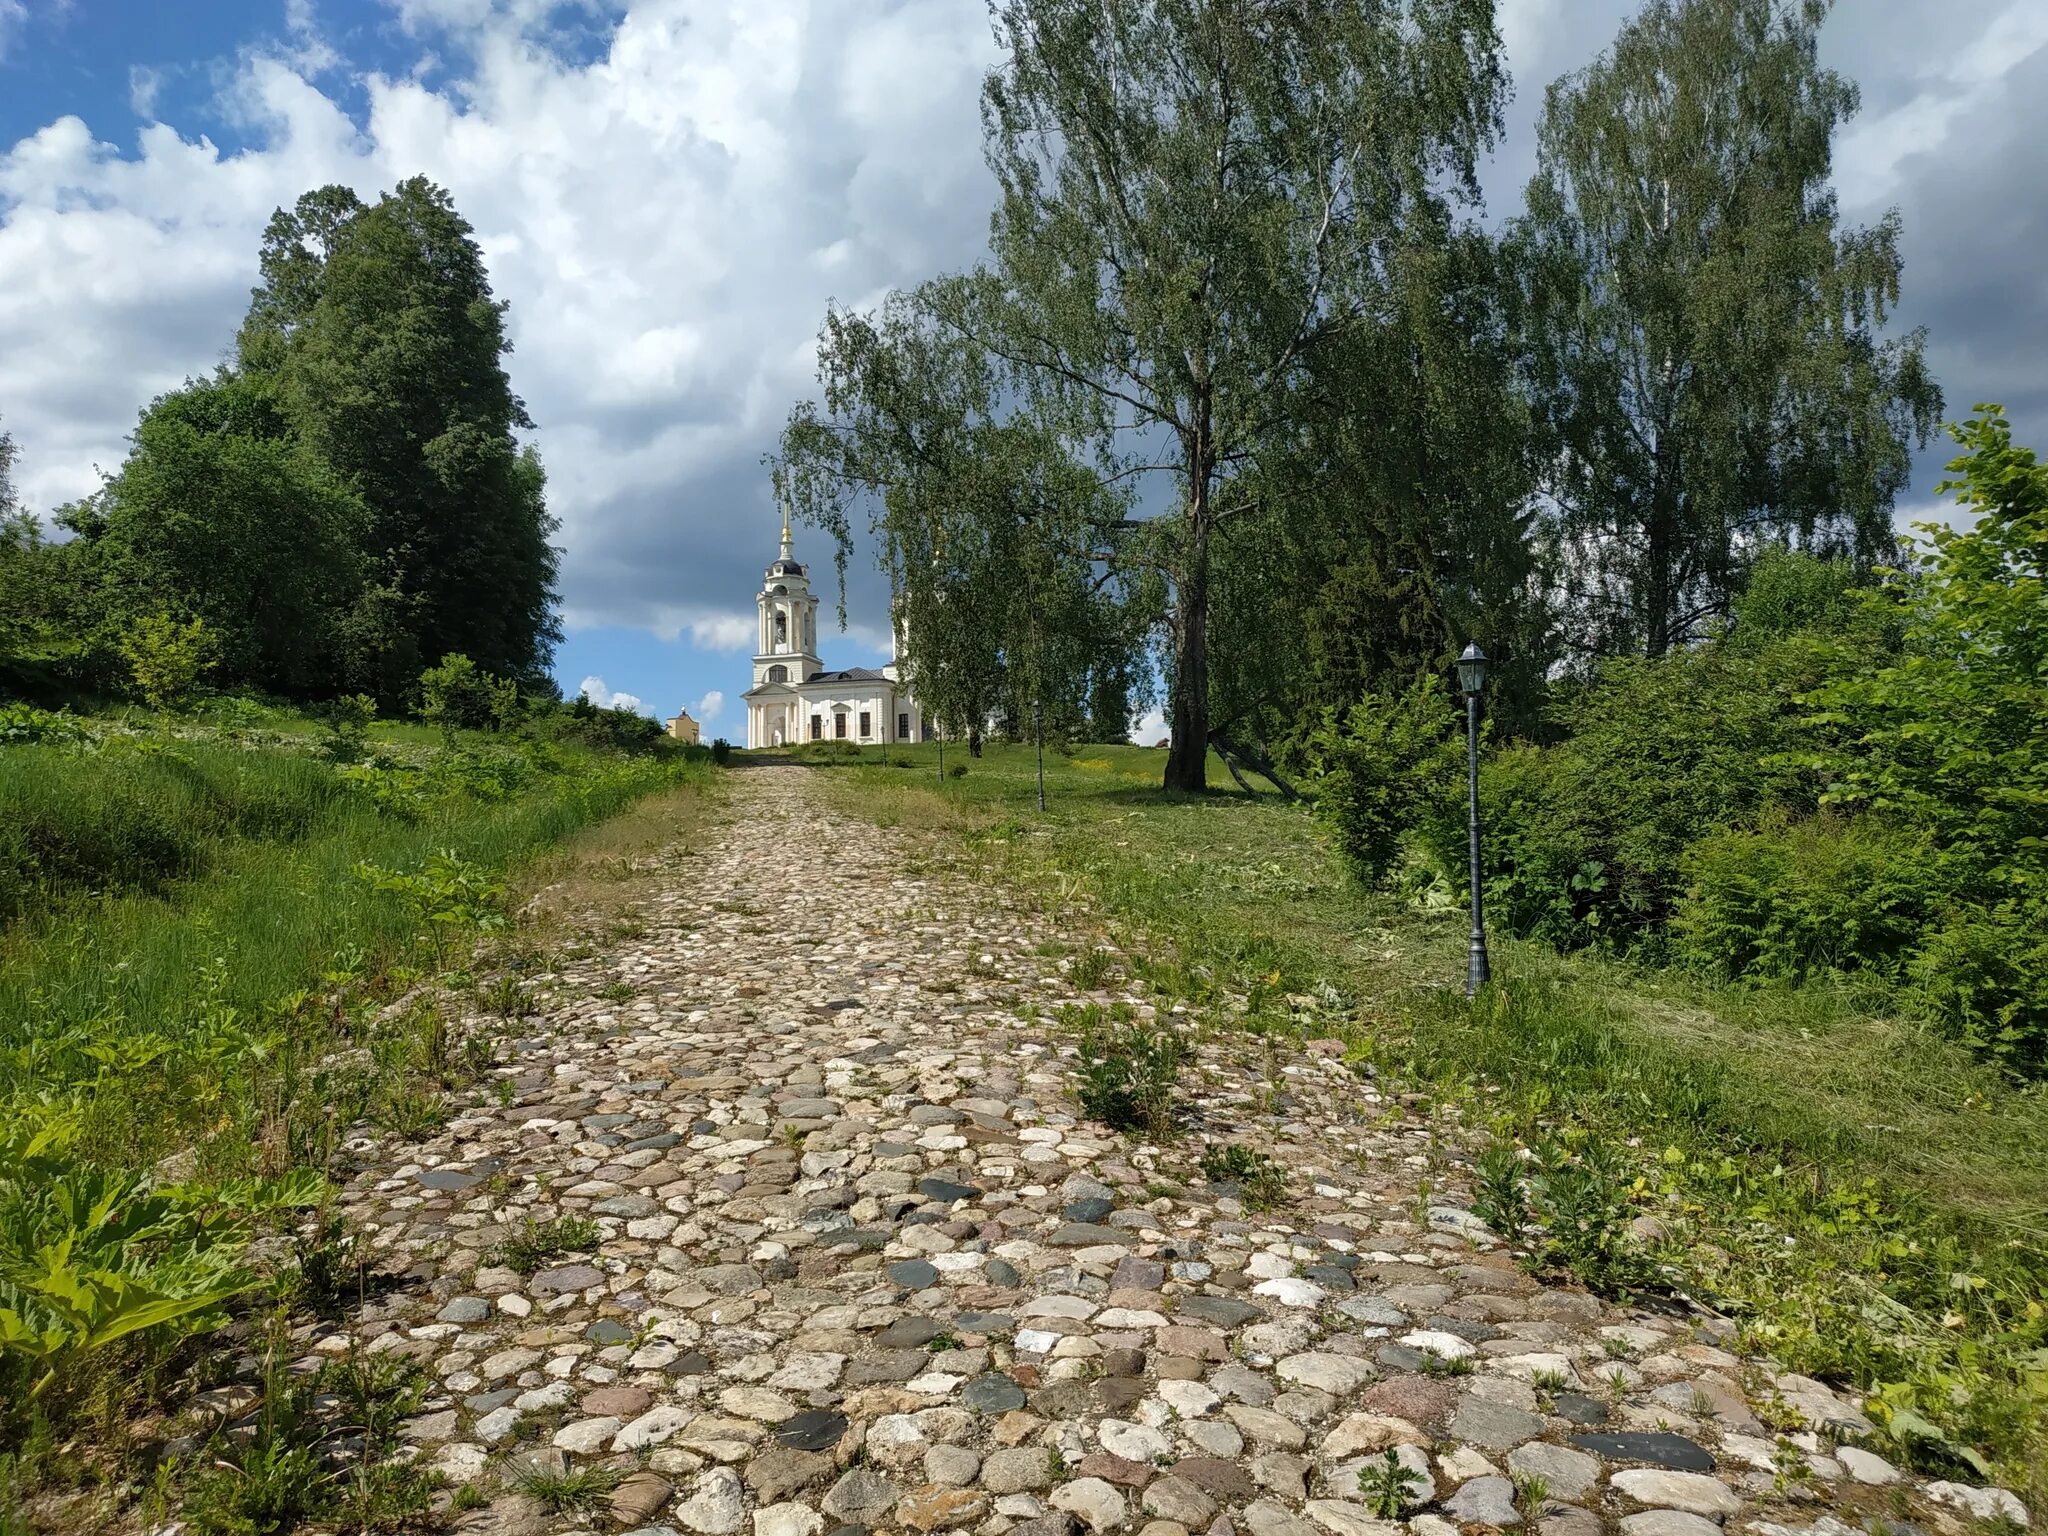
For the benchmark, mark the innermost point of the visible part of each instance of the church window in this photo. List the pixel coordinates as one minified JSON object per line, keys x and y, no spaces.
{"x":866,"y":727}
{"x":839,"y":726}
{"x":903,"y":727}
{"x":782,"y":629}
{"x":778,"y":673}
{"x":817,"y":726}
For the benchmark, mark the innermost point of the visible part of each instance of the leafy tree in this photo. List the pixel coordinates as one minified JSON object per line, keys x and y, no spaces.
{"x":995,"y":537}
{"x":1952,"y":733}
{"x":1196,"y":201}
{"x":378,"y":327}
{"x":1702,"y":333}
{"x":221,"y":513}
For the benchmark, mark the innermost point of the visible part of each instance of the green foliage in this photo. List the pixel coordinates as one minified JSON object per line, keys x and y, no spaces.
{"x":447,"y":896}
{"x":128,"y":818}
{"x":220,"y":512}
{"x":457,"y":694}
{"x":1377,"y":766}
{"x":166,"y":658}
{"x":1704,"y":338}
{"x":721,"y":751}
{"x":1129,"y":1070}
{"x":283,"y":1475}
{"x":613,"y":730}
{"x":377,"y":329}
{"x":22,"y":724}
{"x":1262,"y":1180}
{"x":90,"y":1256}
{"x":1387,"y":1488}
{"x":348,"y":727}
{"x":578,"y":1491}
{"x":1793,"y":900}
{"x":1983,"y":975}
{"x":1582,"y":1196}
{"x":1585,"y":841}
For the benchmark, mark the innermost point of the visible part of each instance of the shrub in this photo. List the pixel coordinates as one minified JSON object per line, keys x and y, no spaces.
{"x":957,"y":771}
{"x":1794,"y":899}
{"x":609,"y":730}
{"x":459,"y":693}
{"x":1584,"y":841}
{"x":1983,"y":975}
{"x":1374,"y":768}
{"x":348,"y":727}
{"x":721,"y":751}
{"x":166,"y":659}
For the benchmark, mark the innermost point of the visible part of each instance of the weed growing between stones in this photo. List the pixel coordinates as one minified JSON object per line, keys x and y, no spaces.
{"x":1261,"y":1181}
{"x":577,"y":1490}
{"x":1388,"y":1488}
{"x":1129,"y":1069}
{"x":534,"y":1245}
{"x":319,"y":1448}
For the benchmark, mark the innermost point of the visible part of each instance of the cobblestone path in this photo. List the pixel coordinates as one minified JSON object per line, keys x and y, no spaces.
{"x":862,"y":1267}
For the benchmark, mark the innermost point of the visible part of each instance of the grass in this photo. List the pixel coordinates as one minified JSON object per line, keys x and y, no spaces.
{"x":156,"y":997}
{"x":1884,"y":1195}
{"x":242,"y":951}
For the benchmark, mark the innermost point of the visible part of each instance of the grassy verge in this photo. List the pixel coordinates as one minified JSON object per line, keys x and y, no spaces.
{"x":1862,"y":1196}
{"x":193,"y":1015}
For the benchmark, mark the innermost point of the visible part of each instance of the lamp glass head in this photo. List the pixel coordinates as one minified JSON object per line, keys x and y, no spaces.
{"x":1472,"y":669}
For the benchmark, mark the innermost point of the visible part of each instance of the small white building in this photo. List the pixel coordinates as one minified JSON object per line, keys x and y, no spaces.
{"x":794,"y":698}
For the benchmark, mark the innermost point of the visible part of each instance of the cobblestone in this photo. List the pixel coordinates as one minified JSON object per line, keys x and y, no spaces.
{"x":860,"y":1264}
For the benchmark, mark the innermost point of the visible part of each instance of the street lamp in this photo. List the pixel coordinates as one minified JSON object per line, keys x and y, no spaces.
{"x":1472,"y":680}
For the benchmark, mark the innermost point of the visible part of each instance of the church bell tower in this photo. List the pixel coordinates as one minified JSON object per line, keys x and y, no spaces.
{"x":786,"y":645}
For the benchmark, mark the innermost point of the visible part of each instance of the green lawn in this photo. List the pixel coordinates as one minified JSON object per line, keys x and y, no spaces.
{"x":1853,"y":1162}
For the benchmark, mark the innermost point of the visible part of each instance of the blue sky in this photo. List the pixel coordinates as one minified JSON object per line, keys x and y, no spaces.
{"x":669,"y":192}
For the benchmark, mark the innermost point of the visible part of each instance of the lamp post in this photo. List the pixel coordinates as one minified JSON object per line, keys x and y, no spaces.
{"x":1472,"y":680}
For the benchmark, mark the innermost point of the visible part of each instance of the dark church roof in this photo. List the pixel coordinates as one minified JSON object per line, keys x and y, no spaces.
{"x":786,"y":568}
{"x":849,"y":675}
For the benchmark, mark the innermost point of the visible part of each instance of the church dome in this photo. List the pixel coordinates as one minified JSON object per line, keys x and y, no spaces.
{"x":785,"y":568}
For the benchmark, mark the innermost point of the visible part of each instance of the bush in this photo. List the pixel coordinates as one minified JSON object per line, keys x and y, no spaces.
{"x":1983,"y":975}
{"x":1376,"y":766}
{"x":348,"y":727}
{"x":1791,"y":900}
{"x":721,"y":751}
{"x":459,"y":693}
{"x":609,"y":730}
{"x":166,"y":659}
{"x":1584,"y":841}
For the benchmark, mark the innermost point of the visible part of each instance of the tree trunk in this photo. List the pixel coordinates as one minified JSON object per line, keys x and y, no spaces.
{"x":974,"y":741}
{"x":1187,"y":755}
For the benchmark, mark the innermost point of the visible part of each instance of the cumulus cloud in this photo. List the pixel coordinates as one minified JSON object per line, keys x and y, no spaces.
{"x":1151,"y":727}
{"x":668,"y":192}
{"x":668,"y":213}
{"x":593,"y":689}
{"x":708,"y":708}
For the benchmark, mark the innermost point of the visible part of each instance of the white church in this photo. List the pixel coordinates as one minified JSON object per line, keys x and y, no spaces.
{"x":794,"y":698}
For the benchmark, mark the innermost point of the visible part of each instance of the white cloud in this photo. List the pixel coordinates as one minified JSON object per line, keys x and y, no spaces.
{"x":708,"y":708}
{"x":1151,"y":727}
{"x":12,"y":14}
{"x":143,"y":85}
{"x":723,"y":632}
{"x":668,"y":214}
{"x":593,"y":689}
